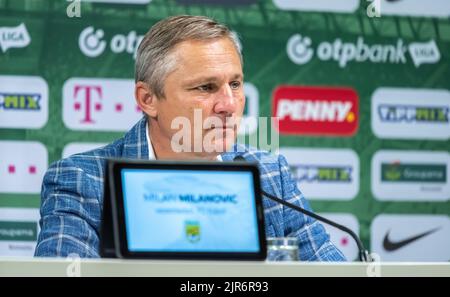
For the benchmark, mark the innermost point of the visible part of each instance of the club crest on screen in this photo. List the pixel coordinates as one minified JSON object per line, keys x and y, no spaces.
{"x":192,"y":229}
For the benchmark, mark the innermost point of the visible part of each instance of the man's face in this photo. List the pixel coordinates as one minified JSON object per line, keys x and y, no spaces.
{"x":207,"y":79}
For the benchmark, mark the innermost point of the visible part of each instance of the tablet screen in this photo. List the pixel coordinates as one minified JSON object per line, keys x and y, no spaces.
{"x":189,"y":211}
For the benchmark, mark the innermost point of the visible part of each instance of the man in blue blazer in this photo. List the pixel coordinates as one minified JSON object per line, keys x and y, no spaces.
{"x":187,"y":68}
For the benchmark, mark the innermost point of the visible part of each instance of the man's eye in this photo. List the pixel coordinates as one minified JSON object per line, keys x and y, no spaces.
{"x":235,"y":85}
{"x":204,"y":88}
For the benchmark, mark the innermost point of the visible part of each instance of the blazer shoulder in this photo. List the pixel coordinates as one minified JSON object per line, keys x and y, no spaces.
{"x":90,"y":163}
{"x":270,"y":160}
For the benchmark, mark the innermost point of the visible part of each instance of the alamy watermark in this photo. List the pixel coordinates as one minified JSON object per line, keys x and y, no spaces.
{"x":216,"y":135}
{"x":374,"y":267}
{"x":74,"y":268}
{"x":374,"y":9}
{"x":74,"y":9}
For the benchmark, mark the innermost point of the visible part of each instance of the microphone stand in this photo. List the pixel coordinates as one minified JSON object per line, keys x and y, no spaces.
{"x":364,"y":255}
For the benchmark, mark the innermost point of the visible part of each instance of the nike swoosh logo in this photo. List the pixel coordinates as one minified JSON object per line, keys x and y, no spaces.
{"x":393,"y":246}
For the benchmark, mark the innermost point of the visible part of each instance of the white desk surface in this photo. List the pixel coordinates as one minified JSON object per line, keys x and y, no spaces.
{"x":118,"y":267}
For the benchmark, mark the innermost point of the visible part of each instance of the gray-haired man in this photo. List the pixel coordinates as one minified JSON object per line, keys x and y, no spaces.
{"x":185,"y":66}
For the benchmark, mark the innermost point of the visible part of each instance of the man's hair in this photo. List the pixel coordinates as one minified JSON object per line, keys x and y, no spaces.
{"x":154,"y":60}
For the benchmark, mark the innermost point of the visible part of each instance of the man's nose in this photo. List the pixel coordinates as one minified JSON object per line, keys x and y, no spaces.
{"x":226,"y":101}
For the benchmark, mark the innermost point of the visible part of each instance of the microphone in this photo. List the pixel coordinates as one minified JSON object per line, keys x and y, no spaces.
{"x":364,"y":255}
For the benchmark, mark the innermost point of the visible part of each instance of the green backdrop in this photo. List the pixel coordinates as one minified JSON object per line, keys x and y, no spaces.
{"x":54,"y":55}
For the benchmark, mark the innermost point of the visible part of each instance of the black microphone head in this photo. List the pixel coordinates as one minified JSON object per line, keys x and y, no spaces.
{"x":239,"y":158}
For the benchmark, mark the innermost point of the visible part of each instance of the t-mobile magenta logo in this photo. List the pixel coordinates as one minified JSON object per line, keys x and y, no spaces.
{"x":87,"y":95}
{"x":22,"y":166}
{"x":29,"y":169}
{"x":99,"y":104}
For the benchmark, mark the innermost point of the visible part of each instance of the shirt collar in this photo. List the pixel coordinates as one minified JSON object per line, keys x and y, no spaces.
{"x":151,"y":152}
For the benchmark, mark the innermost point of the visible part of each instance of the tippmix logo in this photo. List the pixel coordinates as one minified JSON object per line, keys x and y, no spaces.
{"x":320,"y":173}
{"x":20,"y":101}
{"x":407,"y":113}
{"x":410,"y":176}
{"x":23,"y":101}
{"x":316,"y":110}
{"x":301,"y":49}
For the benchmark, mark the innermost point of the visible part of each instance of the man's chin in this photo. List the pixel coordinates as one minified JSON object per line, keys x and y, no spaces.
{"x":220,"y":146}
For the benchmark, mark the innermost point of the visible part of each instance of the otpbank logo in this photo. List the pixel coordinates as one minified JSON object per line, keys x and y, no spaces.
{"x":301,"y":49}
{"x":411,"y":175}
{"x":328,"y":111}
{"x":411,"y":113}
{"x":99,"y":104}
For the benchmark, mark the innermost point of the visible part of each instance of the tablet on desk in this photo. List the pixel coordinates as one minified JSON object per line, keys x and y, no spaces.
{"x":185,"y":210}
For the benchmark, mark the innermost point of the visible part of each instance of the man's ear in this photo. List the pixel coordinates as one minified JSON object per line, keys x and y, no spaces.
{"x":146,"y":99}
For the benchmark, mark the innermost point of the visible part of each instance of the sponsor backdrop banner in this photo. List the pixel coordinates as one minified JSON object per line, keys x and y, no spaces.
{"x":361,"y":89}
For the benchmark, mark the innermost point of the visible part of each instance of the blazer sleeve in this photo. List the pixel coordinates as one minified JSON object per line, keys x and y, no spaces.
{"x":70,"y":212}
{"x":314,"y":242}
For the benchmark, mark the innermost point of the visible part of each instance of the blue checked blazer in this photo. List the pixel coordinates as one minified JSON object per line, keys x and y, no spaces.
{"x":72,"y":201}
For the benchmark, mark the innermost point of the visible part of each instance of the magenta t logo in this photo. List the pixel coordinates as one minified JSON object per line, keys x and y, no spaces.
{"x":88,"y":101}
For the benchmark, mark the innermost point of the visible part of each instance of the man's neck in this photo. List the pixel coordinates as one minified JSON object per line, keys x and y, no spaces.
{"x":162,"y":149}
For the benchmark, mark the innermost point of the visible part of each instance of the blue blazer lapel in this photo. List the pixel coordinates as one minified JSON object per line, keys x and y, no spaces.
{"x":135,"y":142}
{"x":236,"y":150}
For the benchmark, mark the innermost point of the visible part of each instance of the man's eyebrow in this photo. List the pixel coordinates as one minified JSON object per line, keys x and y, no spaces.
{"x":238,"y":76}
{"x":208,"y":79}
